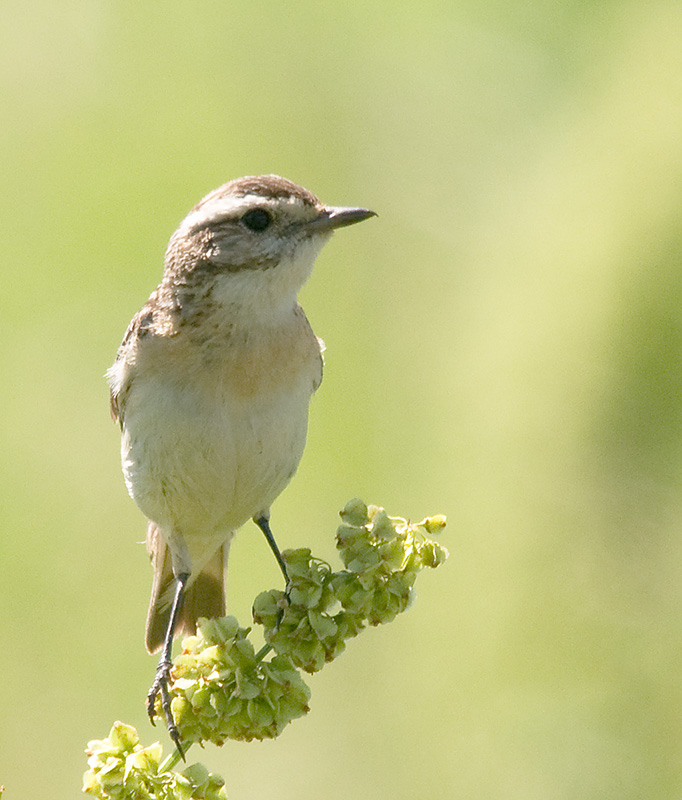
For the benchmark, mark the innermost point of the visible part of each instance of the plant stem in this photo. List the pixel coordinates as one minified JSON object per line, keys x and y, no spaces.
{"x":265,"y":649}
{"x":173,"y":759}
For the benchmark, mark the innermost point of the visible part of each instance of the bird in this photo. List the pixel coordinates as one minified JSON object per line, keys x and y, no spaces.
{"x":211,"y":387}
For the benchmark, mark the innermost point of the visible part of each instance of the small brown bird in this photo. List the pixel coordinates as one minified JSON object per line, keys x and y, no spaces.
{"x":211,"y":387}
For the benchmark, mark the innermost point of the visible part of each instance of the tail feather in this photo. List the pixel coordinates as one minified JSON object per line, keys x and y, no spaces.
{"x":204,"y":597}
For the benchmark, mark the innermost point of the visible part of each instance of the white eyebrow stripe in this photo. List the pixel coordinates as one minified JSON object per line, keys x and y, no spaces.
{"x":234,"y":205}
{"x":216,"y":208}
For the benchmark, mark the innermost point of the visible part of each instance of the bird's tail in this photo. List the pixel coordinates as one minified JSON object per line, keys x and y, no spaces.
{"x":204,"y":597}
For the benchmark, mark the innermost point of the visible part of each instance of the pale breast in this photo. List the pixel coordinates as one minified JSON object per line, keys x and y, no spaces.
{"x":212,"y":436}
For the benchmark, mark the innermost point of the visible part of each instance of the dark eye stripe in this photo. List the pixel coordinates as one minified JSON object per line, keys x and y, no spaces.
{"x":257,"y":219}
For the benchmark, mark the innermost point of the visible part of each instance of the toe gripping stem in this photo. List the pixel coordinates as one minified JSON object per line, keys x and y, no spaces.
{"x":160,"y":685}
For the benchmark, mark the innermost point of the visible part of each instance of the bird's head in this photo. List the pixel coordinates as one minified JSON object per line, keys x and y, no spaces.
{"x":254,"y":241}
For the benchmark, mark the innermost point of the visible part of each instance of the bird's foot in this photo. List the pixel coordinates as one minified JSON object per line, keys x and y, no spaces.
{"x":160,"y":689}
{"x":283,"y":603}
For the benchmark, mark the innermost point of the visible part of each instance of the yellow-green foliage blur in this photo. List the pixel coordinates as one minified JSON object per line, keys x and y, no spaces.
{"x":504,"y":345}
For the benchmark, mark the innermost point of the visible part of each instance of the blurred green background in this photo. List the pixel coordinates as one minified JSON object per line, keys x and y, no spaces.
{"x":504,"y":346}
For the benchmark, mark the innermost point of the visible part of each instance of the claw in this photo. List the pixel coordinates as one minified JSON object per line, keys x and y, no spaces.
{"x":283,"y":604}
{"x":162,"y":677}
{"x":160,"y":687}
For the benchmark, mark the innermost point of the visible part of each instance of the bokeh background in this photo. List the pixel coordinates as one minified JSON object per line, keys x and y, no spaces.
{"x":504,"y":346}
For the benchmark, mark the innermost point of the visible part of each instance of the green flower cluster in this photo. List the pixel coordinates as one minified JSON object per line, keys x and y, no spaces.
{"x":303,"y":629}
{"x":121,"y":769}
{"x":223,"y":690}
{"x":382,"y":556}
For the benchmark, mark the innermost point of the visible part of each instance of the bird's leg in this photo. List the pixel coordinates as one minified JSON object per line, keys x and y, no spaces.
{"x":264,"y":524}
{"x":160,"y":685}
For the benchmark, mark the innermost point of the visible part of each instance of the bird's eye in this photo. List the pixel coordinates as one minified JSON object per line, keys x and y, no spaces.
{"x":258,"y":219}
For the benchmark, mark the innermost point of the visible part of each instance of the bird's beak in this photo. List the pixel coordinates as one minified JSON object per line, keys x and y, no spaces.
{"x":338,"y":217}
